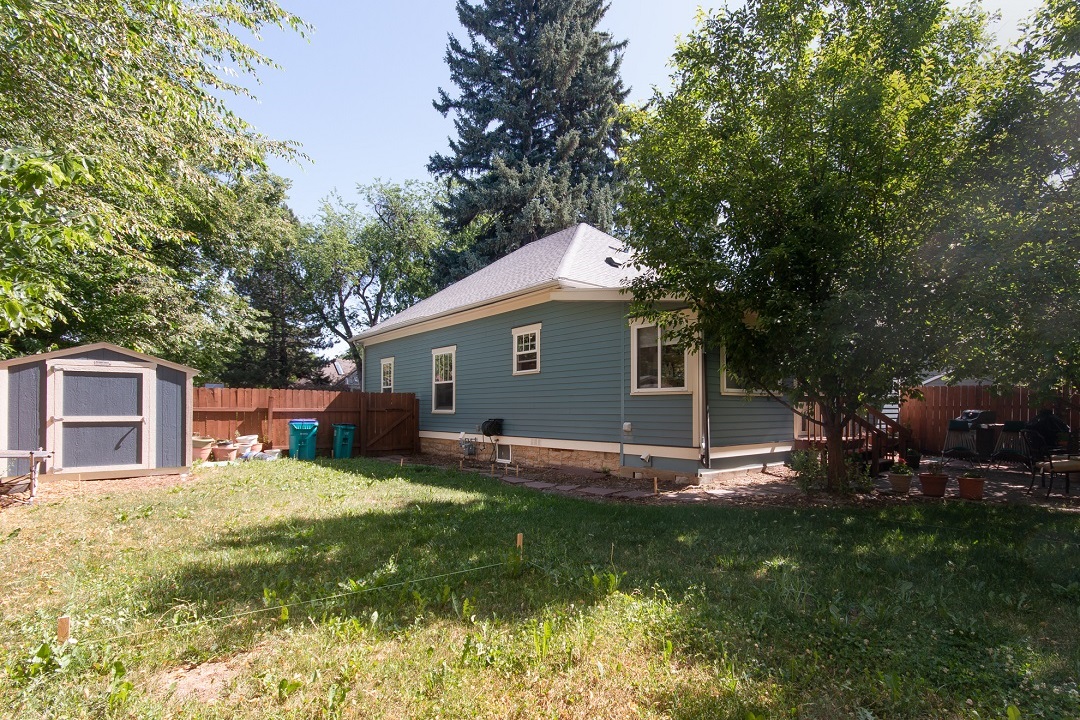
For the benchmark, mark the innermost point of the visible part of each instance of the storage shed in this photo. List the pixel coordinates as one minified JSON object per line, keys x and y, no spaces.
{"x":103,"y":411}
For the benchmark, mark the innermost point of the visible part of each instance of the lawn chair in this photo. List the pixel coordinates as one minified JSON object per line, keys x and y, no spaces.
{"x":1011,"y":445}
{"x":959,"y":442}
{"x":1048,"y":464}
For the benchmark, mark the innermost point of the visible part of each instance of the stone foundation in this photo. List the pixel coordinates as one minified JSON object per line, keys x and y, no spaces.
{"x":528,"y":455}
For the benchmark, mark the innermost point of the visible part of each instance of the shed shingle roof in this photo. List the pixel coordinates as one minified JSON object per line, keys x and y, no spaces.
{"x":578,"y":257}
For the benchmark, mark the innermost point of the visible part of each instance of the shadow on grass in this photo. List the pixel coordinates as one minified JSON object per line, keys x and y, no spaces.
{"x":896,"y":593}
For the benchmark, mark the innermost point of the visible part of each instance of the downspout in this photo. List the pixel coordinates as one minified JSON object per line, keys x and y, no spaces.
{"x":622,"y":389}
{"x":706,"y":428}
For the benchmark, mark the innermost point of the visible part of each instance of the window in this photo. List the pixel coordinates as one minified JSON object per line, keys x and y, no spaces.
{"x":658,"y":364}
{"x":526,"y":349}
{"x":386,"y":373}
{"x":502,"y":454}
{"x":443,"y":374}
{"x":730,"y":383}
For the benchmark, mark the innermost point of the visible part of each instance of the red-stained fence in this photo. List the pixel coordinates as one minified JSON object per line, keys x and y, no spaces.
{"x":386,"y":422}
{"x":929,"y":418}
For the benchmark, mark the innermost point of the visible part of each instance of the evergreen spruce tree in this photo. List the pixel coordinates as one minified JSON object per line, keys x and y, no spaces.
{"x":537,"y":129}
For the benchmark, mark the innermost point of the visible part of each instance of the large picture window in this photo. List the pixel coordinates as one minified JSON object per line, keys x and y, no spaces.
{"x":658,"y":364}
{"x":526,"y":349}
{"x":443,"y":376}
{"x":386,"y":374}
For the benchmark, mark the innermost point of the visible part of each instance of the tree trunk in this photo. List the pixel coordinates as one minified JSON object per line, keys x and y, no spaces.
{"x":833,"y":427}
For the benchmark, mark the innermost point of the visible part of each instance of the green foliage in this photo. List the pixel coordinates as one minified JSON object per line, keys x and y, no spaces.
{"x":1010,"y":245}
{"x":357,"y":267}
{"x":134,"y":251}
{"x":786,"y":188}
{"x":810,"y":471}
{"x":537,"y":126}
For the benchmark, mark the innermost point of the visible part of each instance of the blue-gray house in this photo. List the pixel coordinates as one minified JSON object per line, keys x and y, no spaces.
{"x":541,"y":339}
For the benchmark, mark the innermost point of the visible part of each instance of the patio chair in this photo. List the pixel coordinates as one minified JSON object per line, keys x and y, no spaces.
{"x":959,"y":442}
{"x":1011,"y":445}
{"x":1047,"y":464}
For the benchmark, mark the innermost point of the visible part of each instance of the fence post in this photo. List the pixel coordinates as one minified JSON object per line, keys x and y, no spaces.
{"x":362,"y":425}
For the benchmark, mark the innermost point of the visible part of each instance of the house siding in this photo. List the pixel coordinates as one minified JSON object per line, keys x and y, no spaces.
{"x":742,"y":420}
{"x":579,"y":394}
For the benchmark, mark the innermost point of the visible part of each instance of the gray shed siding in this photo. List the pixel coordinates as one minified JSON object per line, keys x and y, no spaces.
{"x":579,"y":393}
{"x":102,"y":445}
{"x":95,"y":393}
{"x":171,"y":417}
{"x":741,"y":420}
{"x":25,"y":411}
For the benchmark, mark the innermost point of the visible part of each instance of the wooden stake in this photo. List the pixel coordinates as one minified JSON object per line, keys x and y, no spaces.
{"x":517,"y":471}
{"x":492,"y":469}
{"x":402,"y":464}
{"x":521,"y":545}
{"x":656,"y":486}
{"x":63,"y":629}
{"x":461,"y":464}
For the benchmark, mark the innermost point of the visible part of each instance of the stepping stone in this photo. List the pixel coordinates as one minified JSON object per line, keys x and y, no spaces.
{"x":633,"y":494}
{"x":567,"y":488}
{"x":538,"y":485}
{"x":516,"y":480}
{"x":599,"y":491}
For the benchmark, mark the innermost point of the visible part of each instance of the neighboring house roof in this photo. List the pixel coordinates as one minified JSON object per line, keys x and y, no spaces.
{"x":578,"y":257}
{"x":79,"y":349}
{"x":337,"y":374}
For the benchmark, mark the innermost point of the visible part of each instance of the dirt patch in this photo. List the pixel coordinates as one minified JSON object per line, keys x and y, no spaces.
{"x":204,"y":683}
{"x":53,"y":489}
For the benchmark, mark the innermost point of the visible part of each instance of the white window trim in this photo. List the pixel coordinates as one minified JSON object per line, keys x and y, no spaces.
{"x":382,"y":365}
{"x":688,"y":384}
{"x":509,"y":453}
{"x":524,"y":330}
{"x":726,"y":389}
{"x":450,"y":350}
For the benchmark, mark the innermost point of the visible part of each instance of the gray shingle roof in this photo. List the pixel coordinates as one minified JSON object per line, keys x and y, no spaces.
{"x":574,"y":258}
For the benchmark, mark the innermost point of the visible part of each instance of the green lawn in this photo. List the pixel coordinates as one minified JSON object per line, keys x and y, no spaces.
{"x":925,"y":610}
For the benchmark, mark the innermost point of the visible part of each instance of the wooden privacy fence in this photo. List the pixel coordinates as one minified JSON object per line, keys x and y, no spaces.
{"x":385,"y":422}
{"x":929,"y":418}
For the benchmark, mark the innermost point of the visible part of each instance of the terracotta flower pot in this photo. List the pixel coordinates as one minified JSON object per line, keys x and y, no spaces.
{"x":933,"y":485}
{"x":225,"y":452}
{"x":900,"y":482}
{"x":971,"y":488}
{"x":201,"y":452}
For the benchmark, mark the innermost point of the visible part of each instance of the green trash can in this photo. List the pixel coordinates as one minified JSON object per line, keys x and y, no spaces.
{"x":343,"y":440}
{"x":302,"y":438}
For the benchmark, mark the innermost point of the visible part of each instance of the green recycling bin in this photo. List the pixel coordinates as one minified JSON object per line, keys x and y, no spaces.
{"x":343,"y":440}
{"x":302,"y":438}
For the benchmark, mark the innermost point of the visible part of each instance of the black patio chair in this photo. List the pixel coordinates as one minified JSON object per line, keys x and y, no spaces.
{"x":1011,"y":445}
{"x":1046,"y":461}
{"x":959,"y":442}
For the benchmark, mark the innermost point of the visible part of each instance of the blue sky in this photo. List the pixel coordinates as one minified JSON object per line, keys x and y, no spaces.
{"x":356,"y":94}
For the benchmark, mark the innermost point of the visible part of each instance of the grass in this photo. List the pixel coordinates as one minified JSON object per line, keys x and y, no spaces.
{"x":943,"y":610}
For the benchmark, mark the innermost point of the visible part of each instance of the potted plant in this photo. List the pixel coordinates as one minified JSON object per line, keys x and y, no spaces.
{"x":934,"y":480}
{"x":971,"y":484}
{"x":201,"y":447}
{"x":225,"y":450}
{"x":900,"y":477}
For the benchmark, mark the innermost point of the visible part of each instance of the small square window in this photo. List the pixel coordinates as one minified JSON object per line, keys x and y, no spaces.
{"x":526,"y":349}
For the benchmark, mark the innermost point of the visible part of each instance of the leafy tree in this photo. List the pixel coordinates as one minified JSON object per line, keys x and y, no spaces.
{"x":536,"y":122}
{"x":786,"y":189}
{"x":358,"y":267}
{"x":1010,"y":253}
{"x":126,"y":104}
{"x":281,"y":353}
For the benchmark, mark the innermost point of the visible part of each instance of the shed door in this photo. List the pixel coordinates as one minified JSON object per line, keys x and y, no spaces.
{"x":101,"y":414}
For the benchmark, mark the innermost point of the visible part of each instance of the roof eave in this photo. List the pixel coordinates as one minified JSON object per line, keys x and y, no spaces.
{"x":380,"y":329}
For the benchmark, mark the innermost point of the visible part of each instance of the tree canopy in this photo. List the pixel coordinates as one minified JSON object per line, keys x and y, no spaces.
{"x":117,"y":142}
{"x":536,"y":118}
{"x":787,"y":188}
